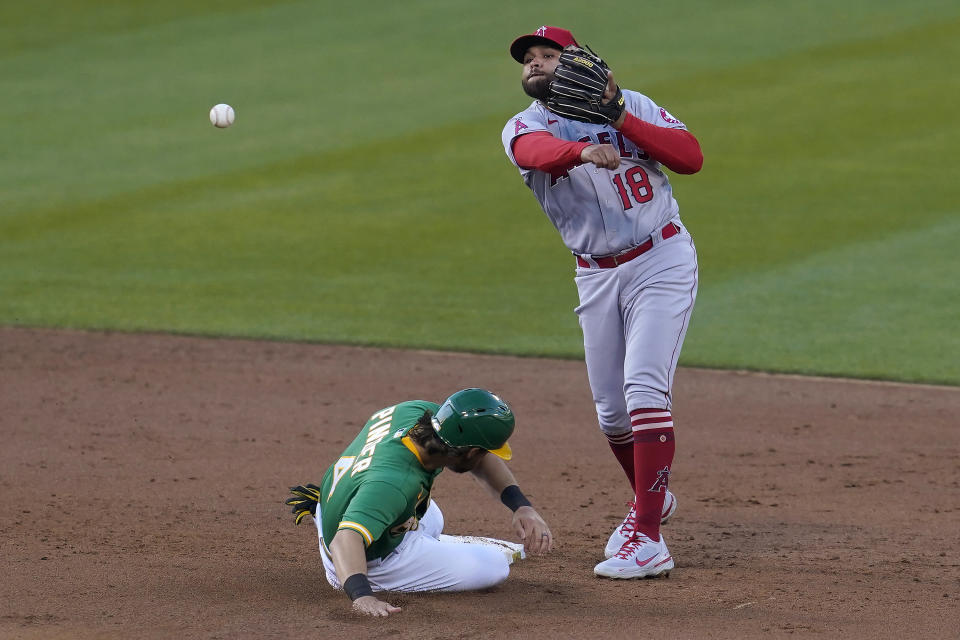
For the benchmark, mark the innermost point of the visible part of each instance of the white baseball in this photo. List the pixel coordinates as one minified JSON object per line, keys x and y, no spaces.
{"x":222,"y":116}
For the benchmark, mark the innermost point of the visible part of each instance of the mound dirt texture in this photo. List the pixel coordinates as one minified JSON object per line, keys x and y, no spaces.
{"x":142,"y":480}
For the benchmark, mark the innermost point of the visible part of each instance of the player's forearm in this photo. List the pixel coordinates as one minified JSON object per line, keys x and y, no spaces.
{"x":494,"y":474}
{"x":542,"y":151}
{"x":676,"y":149}
{"x":348,"y":555}
{"x":350,"y":561}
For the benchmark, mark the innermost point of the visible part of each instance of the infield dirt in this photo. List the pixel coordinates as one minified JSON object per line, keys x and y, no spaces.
{"x":143,"y":479}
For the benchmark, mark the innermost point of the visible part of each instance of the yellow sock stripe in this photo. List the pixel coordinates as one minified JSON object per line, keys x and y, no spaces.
{"x":359,"y":528}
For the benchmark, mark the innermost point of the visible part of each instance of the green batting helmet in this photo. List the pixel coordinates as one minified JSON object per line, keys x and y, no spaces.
{"x":475,"y":418}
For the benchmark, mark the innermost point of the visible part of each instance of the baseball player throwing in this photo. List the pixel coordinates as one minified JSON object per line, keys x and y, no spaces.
{"x":592,"y":155}
{"x":378,"y":528}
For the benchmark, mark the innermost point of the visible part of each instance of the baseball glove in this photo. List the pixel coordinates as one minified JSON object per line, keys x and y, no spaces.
{"x":305,"y":501}
{"x":577,"y":89}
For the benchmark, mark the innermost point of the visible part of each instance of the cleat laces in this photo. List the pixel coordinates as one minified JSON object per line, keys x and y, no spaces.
{"x":629,"y":525}
{"x":628,"y":549}
{"x":630,"y":546}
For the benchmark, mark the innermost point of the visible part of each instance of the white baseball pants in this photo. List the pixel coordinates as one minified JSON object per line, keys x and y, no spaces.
{"x":634,"y":318}
{"x":424,"y":563}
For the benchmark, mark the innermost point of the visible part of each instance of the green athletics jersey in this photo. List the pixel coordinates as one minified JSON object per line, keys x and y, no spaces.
{"x":378,"y":487}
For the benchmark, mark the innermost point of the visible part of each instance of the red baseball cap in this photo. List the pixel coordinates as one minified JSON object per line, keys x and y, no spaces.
{"x":550,"y":36}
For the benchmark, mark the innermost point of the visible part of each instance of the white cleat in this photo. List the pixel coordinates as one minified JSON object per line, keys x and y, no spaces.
{"x":623,"y":533}
{"x":640,"y":557}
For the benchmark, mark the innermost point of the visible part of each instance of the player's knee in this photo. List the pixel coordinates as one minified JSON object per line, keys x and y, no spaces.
{"x":612,"y":416}
{"x":497,"y":571}
{"x":432,"y":522}
{"x":503,"y":572}
{"x":642,"y":396}
{"x":487,"y":568}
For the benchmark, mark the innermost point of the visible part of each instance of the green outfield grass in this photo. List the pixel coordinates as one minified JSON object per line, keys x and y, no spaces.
{"x":363,"y":195}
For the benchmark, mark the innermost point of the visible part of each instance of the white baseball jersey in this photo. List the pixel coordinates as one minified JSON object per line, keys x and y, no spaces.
{"x":600,"y":212}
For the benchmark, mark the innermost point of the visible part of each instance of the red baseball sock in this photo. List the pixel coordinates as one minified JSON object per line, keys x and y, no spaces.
{"x":653,"y":448}
{"x":622,"y":447}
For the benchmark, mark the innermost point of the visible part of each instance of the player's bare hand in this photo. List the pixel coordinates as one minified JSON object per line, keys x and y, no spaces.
{"x":532,"y":530}
{"x":371,"y":606}
{"x":603,"y":156}
{"x":611,"y":89}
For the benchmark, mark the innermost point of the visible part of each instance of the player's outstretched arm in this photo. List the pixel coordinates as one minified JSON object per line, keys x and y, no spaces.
{"x":530,"y":527}
{"x":350,"y":561}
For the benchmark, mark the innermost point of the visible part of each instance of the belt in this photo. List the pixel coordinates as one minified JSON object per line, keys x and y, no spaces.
{"x":609,"y":262}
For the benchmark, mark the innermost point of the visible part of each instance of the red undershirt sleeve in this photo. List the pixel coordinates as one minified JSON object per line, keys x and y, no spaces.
{"x":540,"y":150}
{"x":676,"y":149}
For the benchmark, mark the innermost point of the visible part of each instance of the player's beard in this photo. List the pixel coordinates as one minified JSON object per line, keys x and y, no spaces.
{"x":537,"y":87}
{"x":464,"y":463}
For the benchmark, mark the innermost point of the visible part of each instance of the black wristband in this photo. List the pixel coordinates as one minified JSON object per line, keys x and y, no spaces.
{"x":357,"y":586}
{"x":514,"y":498}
